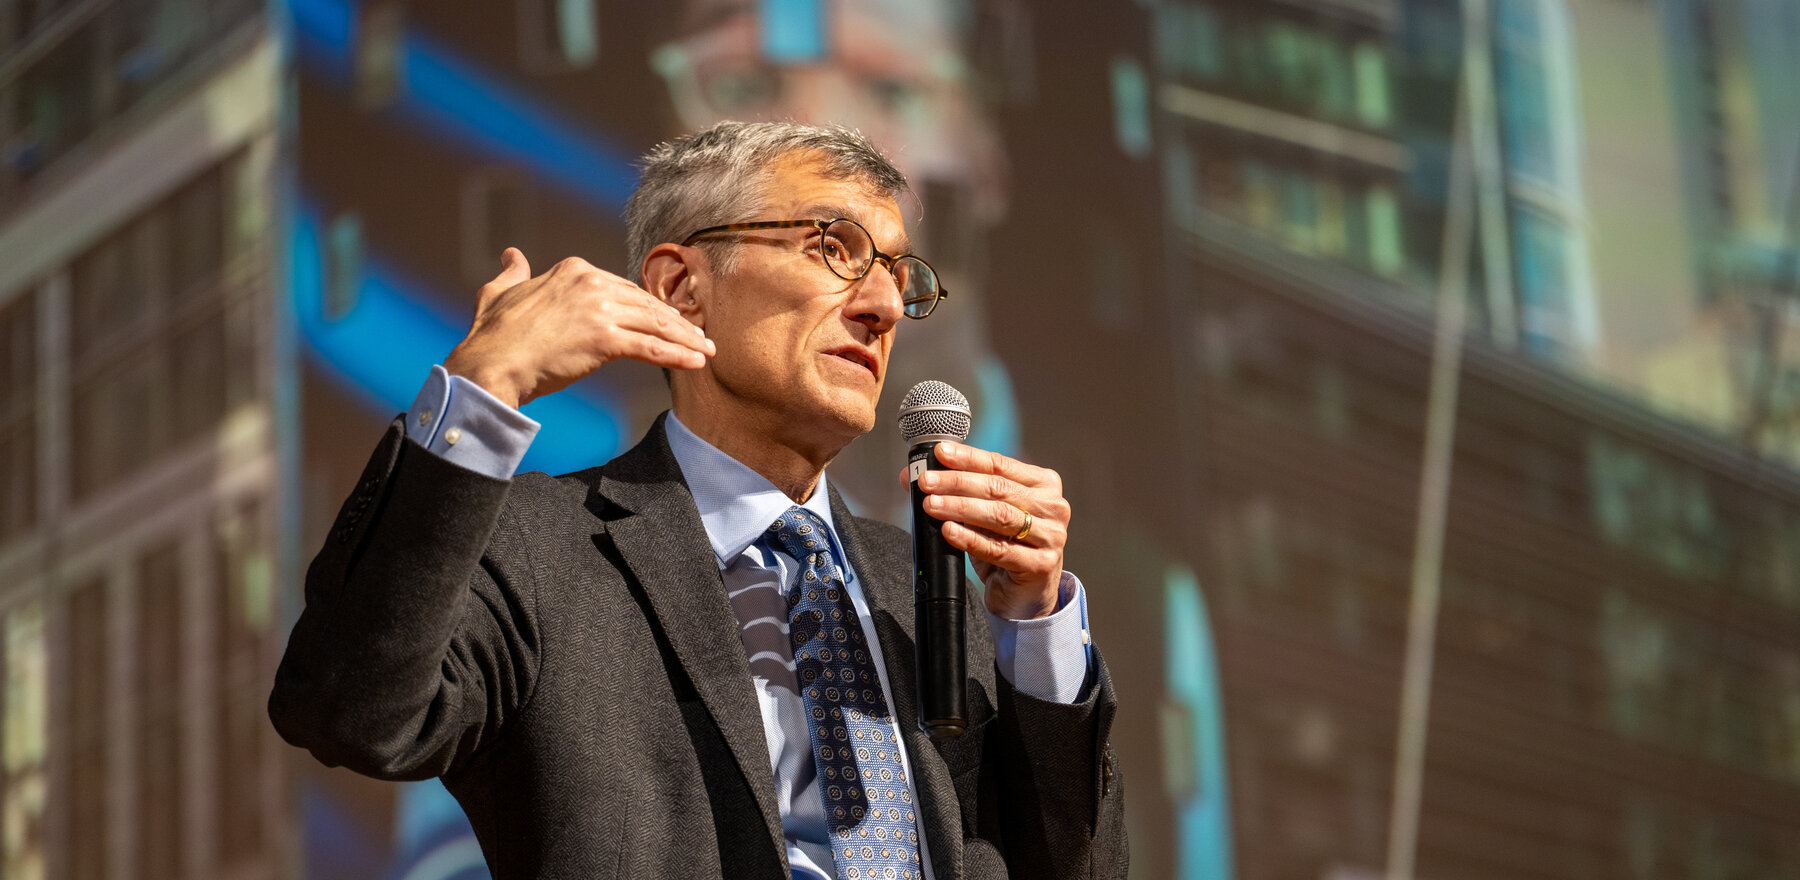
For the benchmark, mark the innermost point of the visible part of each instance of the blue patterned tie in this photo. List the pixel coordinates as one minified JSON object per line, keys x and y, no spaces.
{"x":855,"y":750}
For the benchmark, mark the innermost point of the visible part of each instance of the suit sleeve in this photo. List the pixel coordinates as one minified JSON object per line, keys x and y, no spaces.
{"x":1050,"y":791}
{"x":415,"y":646}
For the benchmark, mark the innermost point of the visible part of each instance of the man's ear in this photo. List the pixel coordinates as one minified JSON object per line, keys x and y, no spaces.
{"x":677,"y":275}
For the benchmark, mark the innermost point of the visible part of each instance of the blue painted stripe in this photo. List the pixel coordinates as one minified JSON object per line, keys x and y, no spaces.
{"x":322,"y":32}
{"x":451,"y":97}
{"x":1203,"y":821}
{"x":472,"y":108}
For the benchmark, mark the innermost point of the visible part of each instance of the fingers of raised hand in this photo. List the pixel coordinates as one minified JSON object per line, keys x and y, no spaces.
{"x":623,"y":320}
{"x":649,"y":331}
{"x":675,"y":327}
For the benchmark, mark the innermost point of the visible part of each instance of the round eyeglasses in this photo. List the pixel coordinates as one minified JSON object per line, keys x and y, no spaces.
{"x":849,"y":252}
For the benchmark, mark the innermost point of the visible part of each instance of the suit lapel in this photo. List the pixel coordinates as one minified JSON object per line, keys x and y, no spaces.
{"x":663,"y":542}
{"x":886,"y":578}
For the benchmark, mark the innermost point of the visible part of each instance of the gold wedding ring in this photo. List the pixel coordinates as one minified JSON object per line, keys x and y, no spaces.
{"x":1026,"y":530}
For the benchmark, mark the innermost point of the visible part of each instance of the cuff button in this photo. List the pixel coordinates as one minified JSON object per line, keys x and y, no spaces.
{"x":452,"y":435}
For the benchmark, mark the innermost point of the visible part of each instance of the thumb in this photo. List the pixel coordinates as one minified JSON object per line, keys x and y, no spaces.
{"x":513,"y":268}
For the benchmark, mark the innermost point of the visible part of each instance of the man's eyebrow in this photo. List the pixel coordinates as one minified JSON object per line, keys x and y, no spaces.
{"x":826,"y":212}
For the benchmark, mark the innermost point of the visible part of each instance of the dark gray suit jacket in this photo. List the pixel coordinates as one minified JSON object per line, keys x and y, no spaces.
{"x":562,"y":652}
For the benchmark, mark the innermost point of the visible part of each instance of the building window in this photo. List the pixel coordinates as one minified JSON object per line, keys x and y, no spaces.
{"x":23,"y":787}
{"x":1638,"y":646}
{"x":1524,"y":69}
{"x":18,"y":416}
{"x":380,"y":55}
{"x":52,"y":105}
{"x":1189,"y":42}
{"x":1387,"y":244}
{"x":1319,"y":69}
{"x":159,"y":730}
{"x":1779,"y":562}
{"x":1540,"y":130}
{"x":556,"y":36}
{"x":97,"y":73}
{"x":1374,"y":105}
{"x":1541,"y":245}
{"x":1342,"y":218}
{"x":243,"y":605}
{"x":89,"y":707}
{"x":161,"y":342}
{"x":497,"y":211}
{"x":1656,"y":510}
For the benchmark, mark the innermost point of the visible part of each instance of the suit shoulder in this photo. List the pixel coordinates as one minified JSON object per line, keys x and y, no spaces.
{"x":535,"y":495}
{"x":537,"y":482}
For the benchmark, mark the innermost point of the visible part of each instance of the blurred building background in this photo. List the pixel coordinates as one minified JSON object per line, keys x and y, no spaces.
{"x":139,"y":437}
{"x":1197,"y":249}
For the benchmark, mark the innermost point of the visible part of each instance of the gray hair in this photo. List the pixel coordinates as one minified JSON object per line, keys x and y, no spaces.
{"x":721,"y":175}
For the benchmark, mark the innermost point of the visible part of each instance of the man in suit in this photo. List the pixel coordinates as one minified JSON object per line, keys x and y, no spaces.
{"x":692,"y":661}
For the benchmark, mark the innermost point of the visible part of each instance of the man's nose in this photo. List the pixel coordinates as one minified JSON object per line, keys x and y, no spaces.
{"x":876,"y":299}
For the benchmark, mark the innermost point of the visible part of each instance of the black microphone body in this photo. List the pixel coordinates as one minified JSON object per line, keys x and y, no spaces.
{"x":940,"y":586}
{"x":931,"y":413}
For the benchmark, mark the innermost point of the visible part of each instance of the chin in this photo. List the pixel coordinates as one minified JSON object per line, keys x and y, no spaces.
{"x":859,"y":422}
{"x":853,"y":412}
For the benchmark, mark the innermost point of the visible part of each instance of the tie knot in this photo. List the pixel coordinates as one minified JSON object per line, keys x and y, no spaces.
{"x":801,"y":533}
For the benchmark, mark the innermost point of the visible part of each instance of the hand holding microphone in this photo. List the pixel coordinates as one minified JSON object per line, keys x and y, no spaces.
{"x":1009,"y":517}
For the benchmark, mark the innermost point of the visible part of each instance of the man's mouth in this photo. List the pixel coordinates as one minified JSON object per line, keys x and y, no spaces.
{"x":858,"y":357}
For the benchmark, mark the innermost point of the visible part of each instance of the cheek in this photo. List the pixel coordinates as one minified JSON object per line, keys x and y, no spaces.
{"x":761,"y":355}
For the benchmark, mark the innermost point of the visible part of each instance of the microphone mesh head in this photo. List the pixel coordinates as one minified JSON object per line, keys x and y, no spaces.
{"x":933,"y":409}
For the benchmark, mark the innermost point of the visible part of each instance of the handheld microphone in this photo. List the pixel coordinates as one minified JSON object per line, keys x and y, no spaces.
{"x":931,"y":413}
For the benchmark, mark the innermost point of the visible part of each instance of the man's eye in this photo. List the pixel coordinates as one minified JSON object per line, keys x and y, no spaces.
{"x":832,"y":248}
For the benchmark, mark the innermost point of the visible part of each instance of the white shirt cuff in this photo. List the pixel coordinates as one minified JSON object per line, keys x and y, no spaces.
{"x":1049,"y":657}
{"x":463,"y":424}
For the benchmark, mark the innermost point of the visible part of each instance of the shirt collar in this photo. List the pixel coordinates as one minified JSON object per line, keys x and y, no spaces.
{"x":736,"y":503}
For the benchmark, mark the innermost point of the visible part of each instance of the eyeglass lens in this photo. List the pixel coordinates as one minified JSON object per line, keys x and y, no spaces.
{"x":918,"y":286}
{"x":848,"y":251}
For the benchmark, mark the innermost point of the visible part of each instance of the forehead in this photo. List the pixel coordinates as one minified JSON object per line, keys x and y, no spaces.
{"x":799,"y":190}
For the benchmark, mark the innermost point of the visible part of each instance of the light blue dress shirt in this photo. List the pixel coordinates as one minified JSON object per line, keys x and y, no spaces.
{"x":1047,"y":658}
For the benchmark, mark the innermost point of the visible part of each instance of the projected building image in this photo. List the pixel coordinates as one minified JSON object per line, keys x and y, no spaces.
{"x":1205,"y":258}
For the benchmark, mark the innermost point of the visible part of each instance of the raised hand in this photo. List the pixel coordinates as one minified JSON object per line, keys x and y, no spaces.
{"x":534,"y":336}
